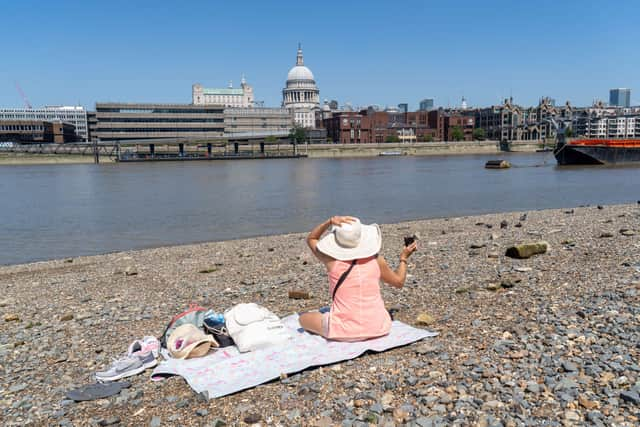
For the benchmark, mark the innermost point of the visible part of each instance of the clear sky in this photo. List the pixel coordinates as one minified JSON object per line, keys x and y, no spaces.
{"x":363,"y":52}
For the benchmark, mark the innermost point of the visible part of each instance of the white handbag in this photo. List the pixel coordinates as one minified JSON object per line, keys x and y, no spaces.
{"x":253,"y":327}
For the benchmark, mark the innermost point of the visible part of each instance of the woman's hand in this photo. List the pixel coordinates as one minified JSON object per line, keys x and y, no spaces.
{"x":408,"y":250}
{"x":339,"y":220}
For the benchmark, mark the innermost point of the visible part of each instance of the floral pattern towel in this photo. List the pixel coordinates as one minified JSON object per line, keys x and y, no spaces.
{"x":227,"y":371}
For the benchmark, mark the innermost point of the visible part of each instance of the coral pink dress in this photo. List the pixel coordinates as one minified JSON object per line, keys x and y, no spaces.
{"x":358,"y":311}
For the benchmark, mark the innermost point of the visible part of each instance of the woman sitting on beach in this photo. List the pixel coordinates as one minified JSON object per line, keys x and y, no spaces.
{"x":351,"y":249}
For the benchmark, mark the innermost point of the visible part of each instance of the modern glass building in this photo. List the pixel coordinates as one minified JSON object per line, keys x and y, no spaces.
{"x":620,"y":97}
{"x":74,"y":115}
{"x":426,"y":104}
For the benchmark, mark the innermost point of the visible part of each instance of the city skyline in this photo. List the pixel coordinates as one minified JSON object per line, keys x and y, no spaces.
{"x":76,"y":53}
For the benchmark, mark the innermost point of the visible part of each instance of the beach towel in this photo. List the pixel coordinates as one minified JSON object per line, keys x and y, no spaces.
{"x":228,"y":371}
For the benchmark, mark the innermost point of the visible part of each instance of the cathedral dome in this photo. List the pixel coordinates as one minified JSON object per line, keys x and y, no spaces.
{"x":300,"y":72}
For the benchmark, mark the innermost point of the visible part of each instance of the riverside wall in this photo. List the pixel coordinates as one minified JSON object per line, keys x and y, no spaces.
{"x":413,"y":149}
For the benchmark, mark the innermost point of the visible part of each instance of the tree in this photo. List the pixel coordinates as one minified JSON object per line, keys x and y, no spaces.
{"x":392,"y":138}
{"x":457,"y":134}
{"x":568,"y":133}
{"x":271,"y":139}
{"x":297,"y":134}
{"x":479,"y":134}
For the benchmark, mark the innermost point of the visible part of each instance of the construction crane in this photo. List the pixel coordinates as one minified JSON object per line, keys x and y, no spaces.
{"x":24,"y":97}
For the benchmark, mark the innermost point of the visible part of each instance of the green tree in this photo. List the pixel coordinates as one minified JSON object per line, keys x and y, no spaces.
{"x":479,"y":134}
{"x":392,"y":138}
{"x":568,"y":133}
{"x":298,"y":134}
{"x":457,"y":134}
{"x":271,"y":139}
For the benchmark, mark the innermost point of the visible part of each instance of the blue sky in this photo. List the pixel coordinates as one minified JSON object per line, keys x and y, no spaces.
{"x":363,"y":52}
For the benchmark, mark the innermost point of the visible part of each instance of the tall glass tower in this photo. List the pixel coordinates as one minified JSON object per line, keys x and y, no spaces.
{"x":620,"y":97}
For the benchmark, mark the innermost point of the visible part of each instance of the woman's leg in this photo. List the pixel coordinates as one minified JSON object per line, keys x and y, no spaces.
{"x":312,"y":321}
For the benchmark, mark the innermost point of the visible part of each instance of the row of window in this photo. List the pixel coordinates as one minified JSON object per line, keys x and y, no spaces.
{"x":22,"y":127}
{"x":160,"y":110}
{"x":144,"y":130}
{"x":159,"y":120}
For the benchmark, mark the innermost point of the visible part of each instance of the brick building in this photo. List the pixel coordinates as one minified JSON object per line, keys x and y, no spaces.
{"x":370,"y":126}
{"x":37,"y":131}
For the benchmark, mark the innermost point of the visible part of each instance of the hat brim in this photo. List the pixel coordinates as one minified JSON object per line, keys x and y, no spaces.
{"x":199,"y":348}
{"x":370,"y":244}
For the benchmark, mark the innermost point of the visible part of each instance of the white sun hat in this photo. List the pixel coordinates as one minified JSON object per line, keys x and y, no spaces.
{"x":350,"y":241}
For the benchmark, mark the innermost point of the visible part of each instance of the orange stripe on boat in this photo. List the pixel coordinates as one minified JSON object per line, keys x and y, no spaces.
{"x":621,"y":143}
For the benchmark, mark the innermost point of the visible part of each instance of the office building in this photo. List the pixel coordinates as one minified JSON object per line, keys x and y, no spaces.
{"x":620,"y":97}
{"x":301,"y":95}
{"x":426,"y":104}
{"x":403,"y":108}
{"x":257,"y":120}
{"x":75,"y":115}
{"x":241,"y":97}
{"x":36,"y":131}
{"x":125,"y":121}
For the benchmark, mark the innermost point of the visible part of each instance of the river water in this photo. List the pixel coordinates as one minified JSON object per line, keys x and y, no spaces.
{"x":57,"y":211}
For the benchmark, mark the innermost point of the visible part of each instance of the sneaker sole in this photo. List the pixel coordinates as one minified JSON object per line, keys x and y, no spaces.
{"x":128,"y":373}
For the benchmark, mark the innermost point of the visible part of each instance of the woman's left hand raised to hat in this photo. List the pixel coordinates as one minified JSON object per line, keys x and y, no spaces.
{"x":339,"y":220}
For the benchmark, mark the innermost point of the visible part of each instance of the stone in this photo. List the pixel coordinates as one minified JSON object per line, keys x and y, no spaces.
{"x":66,"y":317}
{"x":130,"y":271}
{"x":509,"y":282}
{"x":527,"y":250}
{"x":252,"y":418}
{"x":504,"y":223}
{"x":533,"y":387}
{"x":493,"y":286}
{"x":155,"y":422}
{"x":606,"y":234}
{"x":17,"y":388}
{"x":569,"y":366}
{"x":425,"y":319}
{"x":571,"y":416}
{"x":477,"y":245}
{"x":110,"y":421}
{"x":202,"y":412}
{"x":586,"y":403}
{"x":208,"y":270}
{"x":627,"y":232}
{"x":630,"y":396}
{"x":297,"y":294}
{"x":11,"y":317}
{"x":493,"y":255}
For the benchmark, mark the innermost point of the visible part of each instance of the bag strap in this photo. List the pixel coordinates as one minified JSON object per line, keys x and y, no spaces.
{"x":342,"y":278}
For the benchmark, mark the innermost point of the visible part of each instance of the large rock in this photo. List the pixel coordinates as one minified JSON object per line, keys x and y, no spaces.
{"x":527,"y":250}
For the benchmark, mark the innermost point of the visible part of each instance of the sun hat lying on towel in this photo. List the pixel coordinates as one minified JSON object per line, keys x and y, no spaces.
{"x":187,"y":341}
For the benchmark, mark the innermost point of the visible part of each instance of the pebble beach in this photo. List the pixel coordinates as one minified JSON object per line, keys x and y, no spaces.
{"x":549,"y":340}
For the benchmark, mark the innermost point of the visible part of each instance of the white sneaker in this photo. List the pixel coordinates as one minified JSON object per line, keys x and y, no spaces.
{"x":146,"y":345}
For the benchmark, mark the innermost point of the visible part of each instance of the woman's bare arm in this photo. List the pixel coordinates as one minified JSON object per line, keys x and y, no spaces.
{"x":396,"y":278}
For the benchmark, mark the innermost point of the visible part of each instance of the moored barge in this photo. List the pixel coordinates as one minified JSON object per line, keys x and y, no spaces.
{"x":598,"y":152}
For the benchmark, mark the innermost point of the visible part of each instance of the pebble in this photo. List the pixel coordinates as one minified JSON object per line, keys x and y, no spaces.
{"x":252,"y":418}
{"x":202,"y":412}
{"x":155,"y":422}
{"x":11,"y":317}
{"x":425,"y":319}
